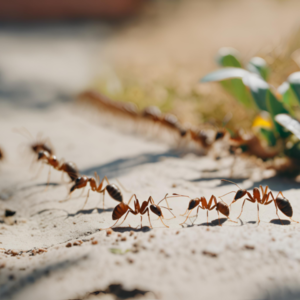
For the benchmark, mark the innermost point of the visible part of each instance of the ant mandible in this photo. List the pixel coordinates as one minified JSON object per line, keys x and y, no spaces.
{"x":122,"y":208}
{"x":282,"y":204}
{"x":202,"y":203}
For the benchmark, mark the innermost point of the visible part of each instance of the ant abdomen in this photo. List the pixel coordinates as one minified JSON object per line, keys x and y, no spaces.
{"x":119,"y":211}
{"x":223,"y":208}
{"x":285,"y":206}
{"x":156,"y":210}
{"x":114,"y":192}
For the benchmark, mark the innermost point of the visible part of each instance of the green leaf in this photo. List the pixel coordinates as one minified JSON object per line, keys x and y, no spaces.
{"x":228,"y":57}
{"x":234,"y":86}
{"x":258,"y":88}
{"x":118,"y":251}
{"x":269,"y":136}
{"x":294,"y":81}
{"x":225,"y":73}
{"x":259,"y":66}
{"x":288,"y":96}
{"x":289,"y":123}
{"x":276,"y":107}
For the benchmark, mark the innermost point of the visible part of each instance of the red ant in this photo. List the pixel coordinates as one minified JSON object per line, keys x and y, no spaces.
{"x":68,"y":167}
{"x":202,"y":203}
{"x":282,"y":204}
{"x":123,"y":208}
{"x":97,"y":186}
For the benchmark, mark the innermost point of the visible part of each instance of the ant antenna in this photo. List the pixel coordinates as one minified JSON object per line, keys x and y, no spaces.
{"x":24,"y":132}
{"x":231,"y":182}
{"x":226,"y":194}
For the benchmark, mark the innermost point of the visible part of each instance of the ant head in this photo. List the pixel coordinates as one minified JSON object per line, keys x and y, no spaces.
{"x":193,"y":203}
{"x":239,"y":194}
{"x":42,"y":154}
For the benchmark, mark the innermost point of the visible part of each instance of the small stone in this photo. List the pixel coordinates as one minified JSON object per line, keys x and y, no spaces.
{"x":123,"y":238}
{"x":177,"y":232}
{"x":94,"y":242}
{"x":130,"y":260}
{"x":69,"y":245}
{"x":131,"y":233}
{"x":135,"y":237}
{"x":119,"y":234}
{"x":77,"y":243}
{"x":174,"y":185}
{"x":2,"y":265}
{"x":208,"y":253}
{"x":152,"y":236}
{"x":249,"y":247}
{"x":109,"y":232}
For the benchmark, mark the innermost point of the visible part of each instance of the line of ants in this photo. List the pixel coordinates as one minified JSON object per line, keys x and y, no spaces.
{"x":185,"y":133}
{"x":44,"y":152}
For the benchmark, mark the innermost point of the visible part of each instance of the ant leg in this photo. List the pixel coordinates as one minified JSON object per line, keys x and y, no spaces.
{"x":251,"y":200}
{"x":141,"y":221}
{"x":219,"y":219}
{"x":82,"y":192}
{"x":258,"y":220}
{"x":124,"y":218}
{"x":185,"y":212}
{"x":196,"y":215}
{"x":87,"y":197}
{"x":163,"y":222}
{"x":170,"y":212}
{"x":149,"y":218}
{"x":39,"y":172}
{"x":271,"y":194}
{"x":62,"y":177}
{"x":48,"y":180}
{"x":207,"y":217}
{"x":165,"y":198}
{"x":186,"y":218}
{"x":277,"y":211}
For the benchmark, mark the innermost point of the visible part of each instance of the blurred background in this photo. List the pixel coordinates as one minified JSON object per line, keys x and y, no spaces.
{"x":143,"y":51}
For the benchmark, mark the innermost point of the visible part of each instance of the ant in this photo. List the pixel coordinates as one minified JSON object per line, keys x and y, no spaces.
{"x":67,"y":167}
{"x":202,"y":203}
{"x":282,"y":204}
{"x":121,"y":209}
{"x":97,"y":186}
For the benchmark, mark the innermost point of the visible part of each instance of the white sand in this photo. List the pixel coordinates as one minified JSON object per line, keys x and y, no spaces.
{"x":168,"y":262}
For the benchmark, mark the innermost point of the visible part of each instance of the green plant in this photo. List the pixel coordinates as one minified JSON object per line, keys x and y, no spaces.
{"x":275,"y":108}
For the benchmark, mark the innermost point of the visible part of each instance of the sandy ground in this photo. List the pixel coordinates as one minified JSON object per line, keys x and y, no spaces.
{"x":238,"y":261}
{"x":40,"y":69}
